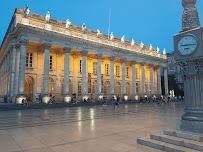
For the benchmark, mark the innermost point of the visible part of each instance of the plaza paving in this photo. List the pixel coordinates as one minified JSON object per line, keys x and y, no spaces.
{"x":85,"y":129}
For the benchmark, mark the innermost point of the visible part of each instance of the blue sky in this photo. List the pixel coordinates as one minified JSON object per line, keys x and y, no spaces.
{"x":151,"y":21}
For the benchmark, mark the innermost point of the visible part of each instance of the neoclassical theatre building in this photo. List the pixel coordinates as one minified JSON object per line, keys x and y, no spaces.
{"x":46,"y":56}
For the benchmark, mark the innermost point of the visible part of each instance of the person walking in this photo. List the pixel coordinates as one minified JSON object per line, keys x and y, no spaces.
{"x":113,"y":103}
{"x":118,"y":102}
{"x":37,"y":98}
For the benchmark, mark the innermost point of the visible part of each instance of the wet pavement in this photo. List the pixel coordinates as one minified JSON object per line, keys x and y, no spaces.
{"x":85,"y":129}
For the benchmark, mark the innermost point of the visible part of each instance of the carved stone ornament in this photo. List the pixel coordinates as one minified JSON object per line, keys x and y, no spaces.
{"x":47,"y":45}
{"x":190,"y":18}
{"x":111,"y":36}
{"x":67,"y":49}
{"x":68,"y":23}
{"x":83,"y":28}
{"x":47,"y":18}
{"x":192,"y":68}
{"x":24,"y":41}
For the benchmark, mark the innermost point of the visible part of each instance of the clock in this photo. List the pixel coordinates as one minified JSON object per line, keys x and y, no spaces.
{"x":187,"y":45}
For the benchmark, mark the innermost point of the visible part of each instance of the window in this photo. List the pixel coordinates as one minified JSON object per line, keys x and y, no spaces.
{"x":29,"y":60}
{"x":136,"y":73}
{"x":89,"y":88}
{"x":107,"y":69}
{"x":117,"y":70}
{"x":127,"y":72}
{"x":79,"y":90}
{"x":50,"y":62}
{"x":95,"y":68}
{"x":80,"y":66}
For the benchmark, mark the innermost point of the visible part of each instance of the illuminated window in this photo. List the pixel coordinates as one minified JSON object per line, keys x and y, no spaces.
{"x":95,"y":68}
{"x":29,"y":60}
{"x":107,"y":69}
{"x":136,"y":73}
{"x":117,"y":70}
{"x":50,"y":62}
{"x":79,"y":90}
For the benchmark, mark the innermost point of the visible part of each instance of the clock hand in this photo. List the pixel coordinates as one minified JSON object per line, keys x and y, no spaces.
{"x":187,"y":44}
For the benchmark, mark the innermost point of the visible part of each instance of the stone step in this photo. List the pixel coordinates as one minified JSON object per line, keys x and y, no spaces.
{"x":185,"y":135}
{"x":163,"y":146}
{"x":179,"y":141}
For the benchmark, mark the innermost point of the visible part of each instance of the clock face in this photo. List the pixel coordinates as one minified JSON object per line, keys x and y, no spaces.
{"x":187,"y":45}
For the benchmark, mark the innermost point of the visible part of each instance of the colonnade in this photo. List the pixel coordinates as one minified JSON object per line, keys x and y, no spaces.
{"x":17,"y":74}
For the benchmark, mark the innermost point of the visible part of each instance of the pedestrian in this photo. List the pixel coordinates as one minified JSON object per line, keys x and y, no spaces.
{"x":113,"y":103}
{"x":26,"y":103}
{"x":118,"y":102}
{"x":23,"y":101}
{"x":40,"y":98}
{"x":53,"y":96}
{"x":37,"y":97}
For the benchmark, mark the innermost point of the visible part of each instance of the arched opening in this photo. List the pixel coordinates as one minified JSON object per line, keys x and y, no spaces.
{"x":28,"y":91}
{"x":128,"y":89}
{"x":118,"y":89}
{"x":51,"y":86}
{"x":106,"y":88}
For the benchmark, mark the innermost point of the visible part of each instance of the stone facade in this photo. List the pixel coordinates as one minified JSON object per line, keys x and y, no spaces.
{"x":47,"y":58}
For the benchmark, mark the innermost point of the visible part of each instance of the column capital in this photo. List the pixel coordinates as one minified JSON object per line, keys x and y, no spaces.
{"x":133,"y":62}
{"x":23,"y":41}
{"x":165,"y":68}
{"x":112,"y":58}
{"x":67,"y":49}
{"x":47,"y":45}
{"x":143,"y":63}
{"x":99,"y":55}
{"x":123,"y":60}
{"x":84,"y":53}
{"x":151,"y":65}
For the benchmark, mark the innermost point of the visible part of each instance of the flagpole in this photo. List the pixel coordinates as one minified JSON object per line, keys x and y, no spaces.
{"x":109,"y":22}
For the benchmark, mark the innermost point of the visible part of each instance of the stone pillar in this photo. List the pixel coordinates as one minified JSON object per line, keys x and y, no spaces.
{"x":123,"y":80}
{"x":21,"y":79}
{"x":143,"y":80}
{"x":151,"y":80}
{"x":99,"y":76}
{"x":134,"y":92}
{"x":159,"y":91}
{"x":16,"y":75}
{"x":66,"y":96}
{"x":12,"y":71}
{"x":84,"y":75}
{"x":45,"y":96}
{"x":112,"y":87}
{"x":166,"y":81}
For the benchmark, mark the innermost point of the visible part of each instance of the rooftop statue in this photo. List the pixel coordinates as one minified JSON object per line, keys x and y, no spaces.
{"x":158,"y":49}
{"x":150,"y":47}
{"x":123,"y":39}
{"x":164,"y":52}
{"x":68,"y":23}
{"x":84,"y":28}
{"x":26,"y":11}
{"x":98,"y":32}
{"x":190,"y":17}
{"x":111,"y":36}
{"x":133,"y":42}
{"x":141,"y":45}
{"x":47,"y":18}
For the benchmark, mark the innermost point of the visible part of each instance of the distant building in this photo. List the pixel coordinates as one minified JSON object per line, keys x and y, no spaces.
{"x":174,"y":69}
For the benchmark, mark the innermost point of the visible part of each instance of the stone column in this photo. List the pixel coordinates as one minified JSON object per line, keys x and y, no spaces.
{"x":124,"y":80}
{"x":99,"y":75}
{"x":143,"y":80}
{"x":21,"y":79}
{"x":151,"y":80}
{"x":134,"y":92}
{"x":17,"y":62}
{"x":66,"y":96}
{"x":12,"y":71}
{"x":166,"y":81}
{"x":112,"y":87}
{"x":84,"y":75}
{"x":159,"y":91}
{"x":45,"y":96}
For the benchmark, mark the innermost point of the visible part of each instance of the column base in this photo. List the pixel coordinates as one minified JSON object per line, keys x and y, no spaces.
{"x":66,"y":98}
{"x":45,"y":99}
{"x":84,"y":97}
{"x":125,"y":98}
{"x":190,"y":126}
{"x":193,"y":115}
{"x":100,"y":98}
{"x":19,"y":99}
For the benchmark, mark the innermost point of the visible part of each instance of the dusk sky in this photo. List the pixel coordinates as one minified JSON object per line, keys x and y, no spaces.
{"x":151,"y":21}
